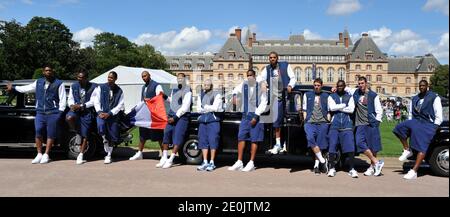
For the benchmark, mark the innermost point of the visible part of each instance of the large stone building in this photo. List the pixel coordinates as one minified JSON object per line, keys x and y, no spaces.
{"x":334,"y":59}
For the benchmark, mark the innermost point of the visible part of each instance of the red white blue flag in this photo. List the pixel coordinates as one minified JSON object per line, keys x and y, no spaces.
{"x":151,"y":114}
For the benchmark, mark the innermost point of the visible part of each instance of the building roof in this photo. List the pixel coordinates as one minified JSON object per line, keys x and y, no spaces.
{"x":412,"y":64}
{"x":366,"y":45}
{"x":194,"y":59}
{"x":301,"y":50}
{"x":232,"y":47}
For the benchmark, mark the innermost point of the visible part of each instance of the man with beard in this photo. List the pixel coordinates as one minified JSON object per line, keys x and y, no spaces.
{"x":426,"y":117}
{"x":50,"y":105}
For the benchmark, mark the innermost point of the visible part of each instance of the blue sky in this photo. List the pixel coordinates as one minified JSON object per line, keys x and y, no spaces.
{"x":400,"y":27}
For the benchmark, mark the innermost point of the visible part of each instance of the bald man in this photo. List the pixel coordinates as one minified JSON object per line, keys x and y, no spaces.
{"x":149,"y":90}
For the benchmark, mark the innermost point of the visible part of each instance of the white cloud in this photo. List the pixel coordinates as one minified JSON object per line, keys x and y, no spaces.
{"x":437,"y":5}
{"x":86,"y":36}
{"x":343,"y":7}
{"x":309,"y":35}
{"x":408,"y":43}
{"x":189,"y":39}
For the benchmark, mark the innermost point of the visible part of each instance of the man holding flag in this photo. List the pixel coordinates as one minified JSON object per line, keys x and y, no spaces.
{"x":150,"y":90}
{"x":178,"y":121}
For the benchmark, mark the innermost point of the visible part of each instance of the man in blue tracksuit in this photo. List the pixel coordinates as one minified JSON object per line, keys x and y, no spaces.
{"x":50,"y":105}
{"x":254,"y":103}
{"x":367,"y":119}
{"x":279,"y":76}
{"x":150,"y":89}
{"x":178,"y":121}
{"x":209,"y":105}
{"x":80,"y":117}
{"x":109,"y":101}
{"x":316,"y":116}
{"x":425,"y":119}
{"x":341,"y":105}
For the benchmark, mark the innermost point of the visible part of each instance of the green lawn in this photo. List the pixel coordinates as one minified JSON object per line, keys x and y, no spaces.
{"x":391,"y":145}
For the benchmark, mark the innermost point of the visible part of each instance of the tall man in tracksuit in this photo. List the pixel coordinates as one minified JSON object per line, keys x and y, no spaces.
{"x":278,"y":75}
{"x":425,"y":119}
{"x":341,"y":105}
{"x":81,"y":115}
{"x":316,"y":116}
{"x":254,"y":103}
{"x":178,"y":121}
{"x":150,"y":89}
{"x":367,"y":117}
{"x":108,"y":102}
{"x":50,"y":105}
{"x":209,"y":105}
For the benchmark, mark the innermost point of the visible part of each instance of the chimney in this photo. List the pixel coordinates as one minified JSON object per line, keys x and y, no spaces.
{"x":250,"y":41}
{"x":365,"y":35}
{"x":347,"y":42}
{"x":254,"y":37}
{"x":341,"y":37}
{"x":238,"y":32}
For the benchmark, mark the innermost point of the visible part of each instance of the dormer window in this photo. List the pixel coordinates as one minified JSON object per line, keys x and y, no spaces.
{"x":431,"y":68}
{"x":369,"y":55}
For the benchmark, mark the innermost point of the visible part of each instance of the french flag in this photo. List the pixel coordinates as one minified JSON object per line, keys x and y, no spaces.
{"x":151,"y":114}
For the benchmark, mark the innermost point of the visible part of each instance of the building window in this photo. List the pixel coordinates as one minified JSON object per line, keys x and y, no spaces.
{"x":220,"y":77}
{"x":379,"y":89}
{"x":241,"y":77}
{"x":308,"y":74}
{"x":369,"y":67}
{"x":230,"y":77}
{"x":431,"y":68}
{"x":341,"y":74}
{"x":357,"y":78}
{"x":230,"y":66}
{"x":298,"y":74}
{"x":200,"y":78}
{"x":211,"y":77}
{"x":330,"y":75}
{"x":319,"y":73}
{"x":408,"y":90}
{"x":379,"y":78}
{"x":369,"y":78}
{"x":358,"y":67}
{"x":174,"y":66}
{"x":394,"y":90}
{"x":379,"y":67}
{"x":187,"y":66}
{"x":188,"y":78}
{"x":241,"y":66}
{"x":220,"y":66}
{"x":394,"y":80}
{"x":408,"y":80}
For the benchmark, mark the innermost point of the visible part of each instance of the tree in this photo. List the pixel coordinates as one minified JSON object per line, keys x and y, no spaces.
{"x":14,"y":53}
{"x":152,"y":58}
{"x":50,"y":42}
{"x":439,"y":81}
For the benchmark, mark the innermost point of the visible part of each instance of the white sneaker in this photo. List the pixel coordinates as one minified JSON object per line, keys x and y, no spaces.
{"x":108,"y":160}
{"x":410,"y":175}
{"x":353,"y":173}
{"x":378,"y":167}
{"x":283,"y":150}
{"x":238,"y":166}
{"x":37,"y":159}
{"x":137,"y":156}
{"x":161,"y":162}
{"x":250,"y":167}
{"x":370,"y":171}
{"x":275,"y":150}
{"x":405,"y":155}
{"x":80,"y":159}
{"x":45,"y":159}
{"x":332,"y":173}
{"x":168,"y":164}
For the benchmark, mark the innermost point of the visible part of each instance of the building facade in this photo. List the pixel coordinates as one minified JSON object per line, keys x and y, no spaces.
{"x":334,"y":60}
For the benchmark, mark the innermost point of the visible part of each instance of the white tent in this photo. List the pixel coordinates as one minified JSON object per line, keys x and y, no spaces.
{"x":130,"y":80}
